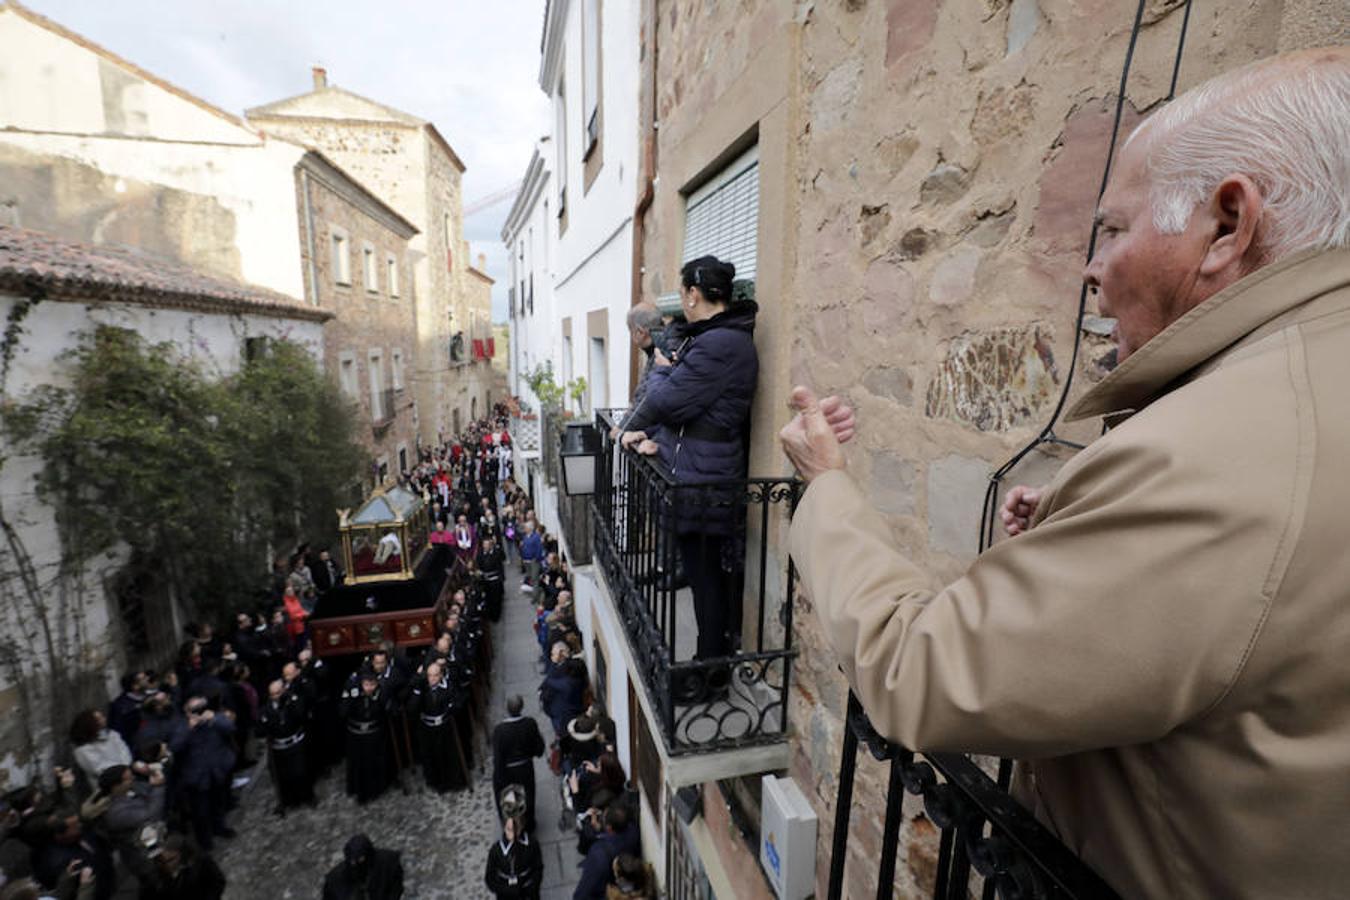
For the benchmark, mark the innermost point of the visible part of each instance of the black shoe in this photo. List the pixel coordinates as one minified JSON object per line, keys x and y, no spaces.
{"x":689,"y":690}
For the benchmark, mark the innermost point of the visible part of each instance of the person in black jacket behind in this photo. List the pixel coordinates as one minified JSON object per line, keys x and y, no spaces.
{"x":516,"y":743}
{"x":365,"y":872}
{"x":694,"y":416}
{"x":515,"y":862}
{"x":183,"y":872}
{"x":597,"y":869}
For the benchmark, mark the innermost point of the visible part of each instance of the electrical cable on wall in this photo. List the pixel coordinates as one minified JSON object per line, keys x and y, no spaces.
{"x":1047,"y":434}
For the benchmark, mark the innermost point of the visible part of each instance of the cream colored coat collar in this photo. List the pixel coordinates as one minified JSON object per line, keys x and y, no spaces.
{"x":1212,"y":327}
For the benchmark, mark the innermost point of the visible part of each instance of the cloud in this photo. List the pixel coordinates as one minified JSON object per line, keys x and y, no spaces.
{"x":470,"y":67}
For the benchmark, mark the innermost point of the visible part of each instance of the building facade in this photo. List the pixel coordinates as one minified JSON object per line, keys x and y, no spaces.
{"x":64,"y":291}
{"x":588,"y":68}
{"x":406,"y":162}
{"x":96,"y":149}
{"x":483,"y":342}
{"x":528,"y":233}
{"x":358,"y":266}
{"x":909,"y":189}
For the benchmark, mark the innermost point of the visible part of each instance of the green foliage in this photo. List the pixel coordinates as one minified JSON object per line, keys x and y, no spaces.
{"x":199,"y":477}
{"x":549,"y":392}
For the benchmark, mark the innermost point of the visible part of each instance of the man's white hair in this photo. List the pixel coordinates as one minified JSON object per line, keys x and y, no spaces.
{"x":1282,"y":122}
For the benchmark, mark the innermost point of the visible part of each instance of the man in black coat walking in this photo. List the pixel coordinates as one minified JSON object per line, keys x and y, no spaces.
{"x":365,"y":872}
{"x":516,"y":743}
{"x":492,"y":565}
{"x":515,"y":864}
{"x":124,"y":712}
{"x":282,"y":721}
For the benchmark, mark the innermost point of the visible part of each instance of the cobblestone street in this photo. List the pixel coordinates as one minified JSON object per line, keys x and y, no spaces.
{"x":443,"y":838}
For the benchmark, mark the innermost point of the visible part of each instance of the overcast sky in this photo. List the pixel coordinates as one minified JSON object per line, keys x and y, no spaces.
{"x":469,"y":66}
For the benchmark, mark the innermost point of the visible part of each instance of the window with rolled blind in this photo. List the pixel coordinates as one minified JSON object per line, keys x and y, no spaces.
{"x":722,"y":217}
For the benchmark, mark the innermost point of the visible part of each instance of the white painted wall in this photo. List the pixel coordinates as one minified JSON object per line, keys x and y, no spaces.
{"x":535,"y":337}
{"x":52,"y":101}
{"x":593,"y":262}
{"x":49,"y":83}
{"x":50,"y":330}
{"x":256,"y":183}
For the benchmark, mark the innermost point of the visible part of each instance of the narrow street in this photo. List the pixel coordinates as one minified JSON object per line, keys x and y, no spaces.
{"x":443,"y":838}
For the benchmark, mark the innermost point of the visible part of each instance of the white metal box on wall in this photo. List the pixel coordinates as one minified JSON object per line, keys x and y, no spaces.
{"x":787,"y":843}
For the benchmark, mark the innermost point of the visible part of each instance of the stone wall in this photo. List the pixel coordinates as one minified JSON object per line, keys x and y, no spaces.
{"x":365,"y":321}
{"x":923,"y":231}
{"x":448,"y":270}
{"x":408,"y":169}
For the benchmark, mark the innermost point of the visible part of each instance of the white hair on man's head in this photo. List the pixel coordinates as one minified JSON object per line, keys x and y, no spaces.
{"x":1284,"y":123}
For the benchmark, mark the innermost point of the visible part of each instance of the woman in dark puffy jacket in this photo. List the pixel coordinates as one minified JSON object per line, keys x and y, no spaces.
{"x":694,"y":416}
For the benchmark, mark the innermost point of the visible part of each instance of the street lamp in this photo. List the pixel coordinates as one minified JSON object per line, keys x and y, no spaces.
{"x":579,"y":446}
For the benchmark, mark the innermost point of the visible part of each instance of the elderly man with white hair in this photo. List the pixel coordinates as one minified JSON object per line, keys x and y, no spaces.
{"x":1165,"y":644}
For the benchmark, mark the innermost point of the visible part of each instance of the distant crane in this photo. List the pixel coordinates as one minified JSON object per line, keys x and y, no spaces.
{"x":492,"y":199}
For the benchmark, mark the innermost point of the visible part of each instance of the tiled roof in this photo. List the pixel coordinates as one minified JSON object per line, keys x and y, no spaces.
{"x":31,"y":261}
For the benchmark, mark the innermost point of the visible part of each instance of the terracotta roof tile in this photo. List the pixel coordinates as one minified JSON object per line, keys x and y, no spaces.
{"x":32,"y":260}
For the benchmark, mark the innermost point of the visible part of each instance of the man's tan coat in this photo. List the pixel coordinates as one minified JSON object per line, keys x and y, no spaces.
{"x":1168,"y":648}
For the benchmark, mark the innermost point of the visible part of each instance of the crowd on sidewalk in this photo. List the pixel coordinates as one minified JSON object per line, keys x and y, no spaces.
{"x":599,"y":806}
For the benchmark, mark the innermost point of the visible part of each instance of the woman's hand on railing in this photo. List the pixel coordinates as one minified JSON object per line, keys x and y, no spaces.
{"x":648,"y":447}
{"x":630,"y":438}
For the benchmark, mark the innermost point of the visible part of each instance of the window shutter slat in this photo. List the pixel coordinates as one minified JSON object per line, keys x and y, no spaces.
{"x":725,"y":223}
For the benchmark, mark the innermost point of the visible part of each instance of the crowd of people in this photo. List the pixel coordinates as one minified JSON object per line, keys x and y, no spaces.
{"x":151,"y":778}
{"x":598,"y":806}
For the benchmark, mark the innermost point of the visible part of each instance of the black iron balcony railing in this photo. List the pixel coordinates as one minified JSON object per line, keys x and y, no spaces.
{"x":641,"y":517}
{"x":985,"y":833}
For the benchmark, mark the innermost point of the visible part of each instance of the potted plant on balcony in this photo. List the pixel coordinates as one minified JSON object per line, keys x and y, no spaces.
{"x":576,"y":389}
{"x":549,"y":392}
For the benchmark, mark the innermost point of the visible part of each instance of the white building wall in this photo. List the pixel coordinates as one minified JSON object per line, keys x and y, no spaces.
{"x":586,"y":268}
{"x":535,"y":336}
{"x":51,"y":329}
{"x":50,"y":83}
{"x":594,"y":261}
{"x":255,"y":183}
{"x":58,"y":97}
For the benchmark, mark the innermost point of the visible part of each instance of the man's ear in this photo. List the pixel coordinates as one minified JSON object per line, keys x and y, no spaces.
{"x":1234,"y":210}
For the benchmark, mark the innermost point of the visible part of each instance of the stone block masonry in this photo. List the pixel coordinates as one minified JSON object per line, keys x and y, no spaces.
{"x":927,"y":179}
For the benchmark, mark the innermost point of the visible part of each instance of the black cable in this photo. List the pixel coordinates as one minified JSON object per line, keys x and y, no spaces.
{"x":1181,"y":45}
{"x":1047,"y":434}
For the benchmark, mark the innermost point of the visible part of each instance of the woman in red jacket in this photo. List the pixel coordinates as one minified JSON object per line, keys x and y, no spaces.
{"x":295,"y":618}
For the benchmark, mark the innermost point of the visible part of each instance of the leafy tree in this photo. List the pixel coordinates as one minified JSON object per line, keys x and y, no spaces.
{"x":202,"y":479}
{"x":295,"y":451}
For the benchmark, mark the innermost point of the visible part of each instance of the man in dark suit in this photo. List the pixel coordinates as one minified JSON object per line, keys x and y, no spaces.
{"x":124,"y":712}
{"x":516,"y":743}
{"x":325,"y":572}
{"x":492,"y":565}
